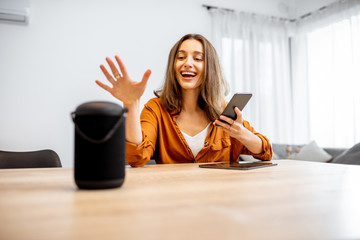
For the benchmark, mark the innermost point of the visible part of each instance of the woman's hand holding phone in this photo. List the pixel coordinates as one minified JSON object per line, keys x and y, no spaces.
{"x":239,"y":101}
{"x":233,"y":127}
{"x":231,"y":121}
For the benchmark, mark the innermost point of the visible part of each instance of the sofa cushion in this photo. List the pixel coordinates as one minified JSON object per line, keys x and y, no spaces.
{"x":334,"y":152}
{"x":312,"y":152}
{"x":350,"y":156}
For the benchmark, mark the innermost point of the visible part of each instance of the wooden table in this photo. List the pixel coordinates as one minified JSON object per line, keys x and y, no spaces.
{"x":294,"y":200}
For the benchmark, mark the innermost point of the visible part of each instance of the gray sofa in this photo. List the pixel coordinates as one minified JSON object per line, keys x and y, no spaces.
{"x":280,"y":150}
{"x":337,"y":155}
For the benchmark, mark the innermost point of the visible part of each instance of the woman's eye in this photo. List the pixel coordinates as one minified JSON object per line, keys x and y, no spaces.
{"x":180,"y":57}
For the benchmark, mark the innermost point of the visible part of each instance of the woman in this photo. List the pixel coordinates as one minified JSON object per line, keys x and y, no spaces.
{"x":178,"y":126}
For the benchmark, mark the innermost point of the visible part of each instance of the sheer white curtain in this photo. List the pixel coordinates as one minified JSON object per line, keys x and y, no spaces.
{"x":255,"y":56}
{"x":305,"y":76}
{"x":326,"y":60}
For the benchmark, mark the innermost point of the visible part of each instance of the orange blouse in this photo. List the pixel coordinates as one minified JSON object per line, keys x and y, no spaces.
{"x":163,"y":141}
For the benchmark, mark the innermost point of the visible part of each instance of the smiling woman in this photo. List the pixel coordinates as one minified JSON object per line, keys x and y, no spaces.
{"x":178,"y":126}
{"x":214,"y":86}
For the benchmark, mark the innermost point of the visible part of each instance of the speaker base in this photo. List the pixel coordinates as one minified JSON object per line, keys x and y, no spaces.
{"x":105,"y":184}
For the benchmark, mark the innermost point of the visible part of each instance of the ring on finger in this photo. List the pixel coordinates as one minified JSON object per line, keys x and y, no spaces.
{"x":117,"y":76}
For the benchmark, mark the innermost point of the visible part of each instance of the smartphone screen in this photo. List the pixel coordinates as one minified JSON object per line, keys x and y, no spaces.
{"x":238,"y":100}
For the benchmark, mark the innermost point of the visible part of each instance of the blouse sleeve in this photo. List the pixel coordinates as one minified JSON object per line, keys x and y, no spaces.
{"x":139,"y":155}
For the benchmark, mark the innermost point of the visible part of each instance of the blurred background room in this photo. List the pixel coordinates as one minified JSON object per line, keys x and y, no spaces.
{"x":300,"y":59}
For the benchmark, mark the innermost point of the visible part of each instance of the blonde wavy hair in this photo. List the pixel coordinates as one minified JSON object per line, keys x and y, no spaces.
{"x":213,"y":89}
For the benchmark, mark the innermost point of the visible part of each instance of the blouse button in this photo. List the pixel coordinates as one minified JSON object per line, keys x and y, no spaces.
{"x":206,"y":144}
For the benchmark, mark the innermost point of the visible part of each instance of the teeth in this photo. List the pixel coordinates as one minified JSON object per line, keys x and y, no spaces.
{"x":188,"y":73}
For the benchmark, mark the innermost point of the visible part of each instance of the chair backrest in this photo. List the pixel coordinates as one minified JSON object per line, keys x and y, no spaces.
{"x":36,"y":159}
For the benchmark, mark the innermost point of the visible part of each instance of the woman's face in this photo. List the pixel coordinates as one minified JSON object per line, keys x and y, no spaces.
{"x":190,"y":64}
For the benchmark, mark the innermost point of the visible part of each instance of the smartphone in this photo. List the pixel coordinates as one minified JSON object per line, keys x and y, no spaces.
{"x":238,"y":166}
{"x":238,"y":100}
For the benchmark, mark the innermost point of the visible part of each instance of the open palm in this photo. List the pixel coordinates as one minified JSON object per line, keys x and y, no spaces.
{"x":123,"y":87}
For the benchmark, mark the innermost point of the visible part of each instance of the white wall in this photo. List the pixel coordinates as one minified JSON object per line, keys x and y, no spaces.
{"x":48,"y":67}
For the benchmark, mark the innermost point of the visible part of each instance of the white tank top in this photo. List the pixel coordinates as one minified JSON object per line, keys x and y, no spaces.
{"x":196,"y":143}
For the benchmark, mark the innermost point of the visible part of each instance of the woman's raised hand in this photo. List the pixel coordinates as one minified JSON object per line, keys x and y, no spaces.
{"x":123,"y":87}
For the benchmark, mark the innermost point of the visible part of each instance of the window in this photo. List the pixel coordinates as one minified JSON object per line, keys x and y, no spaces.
{"x":334,"y":83}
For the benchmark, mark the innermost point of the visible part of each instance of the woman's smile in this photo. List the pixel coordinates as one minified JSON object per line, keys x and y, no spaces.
{"x":188,"y":75}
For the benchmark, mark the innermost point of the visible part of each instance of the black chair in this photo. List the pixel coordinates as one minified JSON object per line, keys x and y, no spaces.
{"x":35,"y":159}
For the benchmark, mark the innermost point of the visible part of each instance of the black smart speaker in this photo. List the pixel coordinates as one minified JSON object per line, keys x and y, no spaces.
{"x":99,"y":145}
